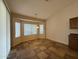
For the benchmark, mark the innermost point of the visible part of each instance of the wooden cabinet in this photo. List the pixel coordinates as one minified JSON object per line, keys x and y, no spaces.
{"x":73,"y":38}
{"x":74,"y":23}
{"x":73,"y":41}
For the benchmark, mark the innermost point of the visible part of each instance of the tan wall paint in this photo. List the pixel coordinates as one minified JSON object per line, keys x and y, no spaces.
{"x":58,"y":25}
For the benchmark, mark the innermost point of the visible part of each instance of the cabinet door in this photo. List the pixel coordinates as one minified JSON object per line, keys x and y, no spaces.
{"x":74,"y":23}
{"x":73,"y":41}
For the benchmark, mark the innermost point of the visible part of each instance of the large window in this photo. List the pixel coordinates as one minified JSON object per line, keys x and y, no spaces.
{"x":34,"y":29}
{"x":41,"y":29}
{"x":27,"y":29}
{"x":30,"y":29}
{"x":17,"y":29}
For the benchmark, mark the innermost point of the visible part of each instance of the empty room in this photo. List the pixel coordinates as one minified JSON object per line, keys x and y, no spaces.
{"x":39,"y":29}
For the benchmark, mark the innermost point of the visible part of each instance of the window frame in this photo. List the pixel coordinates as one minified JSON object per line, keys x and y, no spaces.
{"x":18,"y":21}
{"x":43,"y":28}
{"x":32,"y":23}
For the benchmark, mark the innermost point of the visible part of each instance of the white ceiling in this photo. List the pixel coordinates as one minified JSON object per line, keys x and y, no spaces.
{"x":37,"y":8}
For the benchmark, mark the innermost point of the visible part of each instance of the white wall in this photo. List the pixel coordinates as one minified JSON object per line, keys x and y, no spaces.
{"x":58,"y":25}
{"x":7,"y":33}
{"x":4,"y":31}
